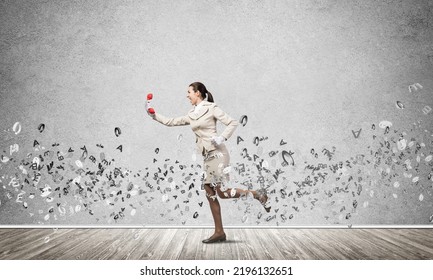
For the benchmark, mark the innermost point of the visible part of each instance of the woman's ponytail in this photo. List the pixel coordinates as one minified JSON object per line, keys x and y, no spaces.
{"x":209,"y":97}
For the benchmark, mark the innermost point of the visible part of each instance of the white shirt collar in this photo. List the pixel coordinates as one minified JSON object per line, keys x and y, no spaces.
{"x":198,"y":107}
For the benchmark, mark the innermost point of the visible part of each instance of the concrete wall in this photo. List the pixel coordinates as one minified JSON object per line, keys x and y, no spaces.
{"x":322,"y":76}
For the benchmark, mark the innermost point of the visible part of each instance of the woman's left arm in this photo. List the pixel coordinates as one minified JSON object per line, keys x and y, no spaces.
{"x":230,"y":123}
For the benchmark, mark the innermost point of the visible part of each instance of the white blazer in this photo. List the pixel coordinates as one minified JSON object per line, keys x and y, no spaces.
{"x":203,"y":124}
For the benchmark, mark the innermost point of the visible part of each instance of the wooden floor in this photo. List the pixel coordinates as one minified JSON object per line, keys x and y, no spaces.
{"x":241,"y":244}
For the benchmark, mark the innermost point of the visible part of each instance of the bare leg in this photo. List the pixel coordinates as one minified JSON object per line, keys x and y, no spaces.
{"x":236,"y":193}
{"x":216,"y":211}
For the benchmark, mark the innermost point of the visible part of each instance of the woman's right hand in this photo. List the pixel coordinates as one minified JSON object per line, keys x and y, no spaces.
{"x":149,"y":109}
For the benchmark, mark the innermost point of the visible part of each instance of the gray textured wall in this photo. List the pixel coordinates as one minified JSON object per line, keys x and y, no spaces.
{"x":310,"y":73}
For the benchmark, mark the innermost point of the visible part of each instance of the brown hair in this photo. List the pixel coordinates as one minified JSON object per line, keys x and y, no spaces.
{"x":203,"y":91}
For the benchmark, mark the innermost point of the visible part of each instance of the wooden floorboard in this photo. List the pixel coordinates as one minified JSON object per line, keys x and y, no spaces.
{"x":241,"y":244}
{"x":189,"y":249}
{"x":205,"y":252}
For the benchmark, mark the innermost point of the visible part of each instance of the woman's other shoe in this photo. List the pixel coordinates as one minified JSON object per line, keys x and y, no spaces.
{"x":215,"y":239}
{"x":263,"y":198}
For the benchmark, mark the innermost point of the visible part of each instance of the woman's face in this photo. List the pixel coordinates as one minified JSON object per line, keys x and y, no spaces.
{"x":194,"y":96}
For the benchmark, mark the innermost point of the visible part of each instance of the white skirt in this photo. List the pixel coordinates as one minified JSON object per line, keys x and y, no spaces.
{"x":215,"y":165}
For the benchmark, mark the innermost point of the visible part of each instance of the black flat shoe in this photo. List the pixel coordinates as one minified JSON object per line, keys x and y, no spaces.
{"x":215,"y":239}
{"x":263,"y":198}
